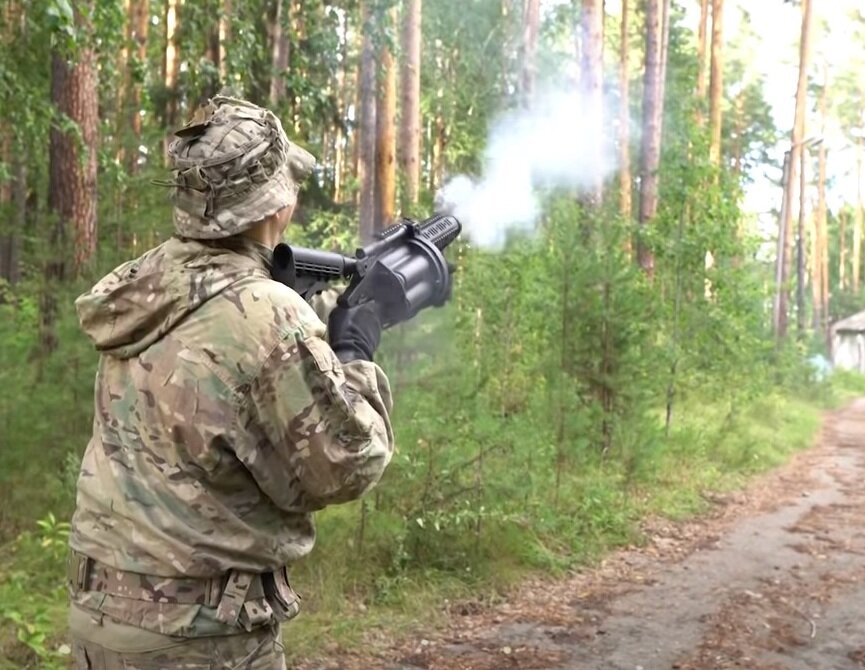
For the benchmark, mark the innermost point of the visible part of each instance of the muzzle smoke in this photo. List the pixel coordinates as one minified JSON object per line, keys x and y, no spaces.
{"x":558,"y":143}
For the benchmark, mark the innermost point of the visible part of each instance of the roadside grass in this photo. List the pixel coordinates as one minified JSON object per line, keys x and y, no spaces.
{"x":394,"y":563}
{"x":359,"y":599}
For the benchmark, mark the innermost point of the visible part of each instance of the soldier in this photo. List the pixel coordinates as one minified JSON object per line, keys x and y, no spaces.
{"x":225,"y":415}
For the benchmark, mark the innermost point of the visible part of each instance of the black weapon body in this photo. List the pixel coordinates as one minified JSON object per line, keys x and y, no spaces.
{"x":402,"y":271}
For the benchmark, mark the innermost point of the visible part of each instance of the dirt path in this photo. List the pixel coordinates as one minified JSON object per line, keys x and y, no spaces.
{"x":773,"y":580}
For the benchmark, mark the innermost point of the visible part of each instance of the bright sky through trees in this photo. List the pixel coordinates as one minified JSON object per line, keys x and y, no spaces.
{"x":766,"y":33}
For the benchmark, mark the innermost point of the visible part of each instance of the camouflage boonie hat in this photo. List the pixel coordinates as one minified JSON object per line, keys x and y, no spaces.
{"x":233,"y":165}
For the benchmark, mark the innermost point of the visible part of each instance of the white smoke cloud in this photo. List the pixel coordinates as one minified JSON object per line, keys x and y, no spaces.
{"x":558,"y":143}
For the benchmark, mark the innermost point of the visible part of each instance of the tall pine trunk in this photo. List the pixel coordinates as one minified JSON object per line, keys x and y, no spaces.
{"x":702,"y":61}
{"x":716,"y":81}
{"x":800,"y":245}
{"x":73,"y":152}
{"x":8,"y":237}
{"x":650,"y":153}
{"x":171,"y":68}
{"x":592,"y":79}
{"x":13,"y":24}
{"x":72,"y":168}
{"x":385,"y":152}
{"x":409,"y":142}
{"x":123,"y":85}
{"x":822,"y":223}
{"x":796,"y":153}
{"x":342,"y":93}
{"x":225,"y":18}
{"x":367,"y":128}
{"x":528,"y":69}
{"x":140,"y":26}
{"x":625,"y":205}
{"x":278,"y":55}
{"x":856,"y":274}
{"x":842,"y":249}
{"x":821,"y":253}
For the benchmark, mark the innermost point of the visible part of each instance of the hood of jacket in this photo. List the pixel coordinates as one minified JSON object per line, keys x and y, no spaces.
{"x":140,"y":301}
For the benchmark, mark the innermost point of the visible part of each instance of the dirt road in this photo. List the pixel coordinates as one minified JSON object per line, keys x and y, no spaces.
{"x":773,"y":580}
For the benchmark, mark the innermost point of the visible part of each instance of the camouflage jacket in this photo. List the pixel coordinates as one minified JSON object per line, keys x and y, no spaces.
{"x":222,"y":421}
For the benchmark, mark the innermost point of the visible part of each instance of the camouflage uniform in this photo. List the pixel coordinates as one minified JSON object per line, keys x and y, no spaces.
{"x":223,"y":420}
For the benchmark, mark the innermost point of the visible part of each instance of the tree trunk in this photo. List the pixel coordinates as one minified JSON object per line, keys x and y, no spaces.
{"x":11,"y":206}
{"x":624,"y":120}
{"x":779,"y":307}
{"x":821,"y":260}
{"x":796,"y":152}
{"x":171,"y":68}
{"x":716,"y":81}
{"x":385,"y":153}
{"x":73,"y":160}
{"x":650,"y":153}
{"x":278,"y":55}
{"x":225,"y":18}
{"x":298,"y":30}
{"x":18,"y":220}
{"x":665,"y":48}
{"x":72,"y":170}
{"x":8,"y":237}
{"x":342,"y":93}
{"x":531,"y":22}
{"x":366,"y":128}
{"x":842,"y":249}
{"x":592,"y":79}
{"x":800,"y":246}
{"x":140,"y":26}
{"x":409,"y":143}
{"x":123,"y":89}
{"x":702,"y":62}
{"x":11,"y":209}
{"x":857,"y":223}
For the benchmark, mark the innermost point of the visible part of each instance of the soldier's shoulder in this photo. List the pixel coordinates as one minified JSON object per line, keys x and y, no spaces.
{"x":258,"y":309}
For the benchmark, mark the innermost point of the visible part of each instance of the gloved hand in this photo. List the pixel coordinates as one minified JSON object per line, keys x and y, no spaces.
{"x":354,"y":332}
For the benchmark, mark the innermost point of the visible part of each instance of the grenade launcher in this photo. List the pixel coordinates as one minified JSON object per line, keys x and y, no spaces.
{"x":403,"y":270}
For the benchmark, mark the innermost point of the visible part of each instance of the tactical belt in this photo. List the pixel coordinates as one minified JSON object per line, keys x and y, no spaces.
{"x":227,"y":593}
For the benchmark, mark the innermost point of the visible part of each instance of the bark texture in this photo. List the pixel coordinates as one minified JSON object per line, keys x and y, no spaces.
{"x":409,"y":142}
{"x":171,"y":70}
{"x":625,"y":204}
{"x":72,"y":171}
{"x":650,"y":151}
{"x":716,"y":81}
{"x":385,"y":153}
{"x":856,"y":260}
{"x":73,"y":159}
{"x":224,"y":37}
{"x":592,"y":78}
{"x":140,"y":19}
{"x":702,"y":61}
{"x":796,"y":152}
{"x":367,"y":130}
{"x":278,"y":55}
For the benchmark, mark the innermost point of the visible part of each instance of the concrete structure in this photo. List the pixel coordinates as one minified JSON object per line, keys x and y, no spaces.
{"x":848,"y":343}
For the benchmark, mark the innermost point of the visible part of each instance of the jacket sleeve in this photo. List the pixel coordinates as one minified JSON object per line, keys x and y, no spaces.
{"x":326,"y":425}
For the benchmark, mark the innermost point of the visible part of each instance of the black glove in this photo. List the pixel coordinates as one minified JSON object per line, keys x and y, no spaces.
{"x":354,"y":332}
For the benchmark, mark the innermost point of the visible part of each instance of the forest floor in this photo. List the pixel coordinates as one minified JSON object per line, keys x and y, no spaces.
{"x":772,"y":578}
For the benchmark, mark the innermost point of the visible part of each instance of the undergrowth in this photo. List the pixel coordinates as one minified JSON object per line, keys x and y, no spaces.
{"x":392,"y":567}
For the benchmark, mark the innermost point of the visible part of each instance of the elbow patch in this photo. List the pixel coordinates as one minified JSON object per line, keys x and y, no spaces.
{"x":339,"y":406}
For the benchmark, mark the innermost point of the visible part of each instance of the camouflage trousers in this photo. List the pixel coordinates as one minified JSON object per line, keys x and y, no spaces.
{"x":132,"y":648}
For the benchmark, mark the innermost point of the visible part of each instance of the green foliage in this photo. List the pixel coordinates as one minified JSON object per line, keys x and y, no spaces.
{"x":32,"y":595}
